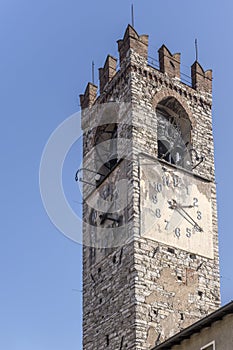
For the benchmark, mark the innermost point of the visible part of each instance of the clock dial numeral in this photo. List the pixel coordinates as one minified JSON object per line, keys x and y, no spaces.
{"x":176,"y":181}
{"x":158,"y":187}
{"x":188,"y":232}
{"x":166,"y":180}
{"x":93,"y":217}
{"x":195,"y":202}
{"x":155,"y":199}
{"x":199,"y":215}
{"x":166,"y":224}
{"x":158,"y":213}
{"x":177,"y":232}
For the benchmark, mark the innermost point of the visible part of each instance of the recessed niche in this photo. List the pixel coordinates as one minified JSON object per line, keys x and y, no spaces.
{"x":170,"y":250}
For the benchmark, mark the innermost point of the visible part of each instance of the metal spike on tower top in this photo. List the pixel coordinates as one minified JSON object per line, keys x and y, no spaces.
{"x":132,"y":14}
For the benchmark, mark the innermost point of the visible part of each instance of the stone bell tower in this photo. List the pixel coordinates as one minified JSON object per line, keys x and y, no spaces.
{"x":150,"y":242}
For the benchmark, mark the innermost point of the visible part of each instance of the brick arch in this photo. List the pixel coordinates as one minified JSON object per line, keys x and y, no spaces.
{"x":166,"y":93}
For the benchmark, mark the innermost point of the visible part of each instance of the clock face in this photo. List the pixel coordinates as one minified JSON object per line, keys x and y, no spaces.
{"x":104,"y":213}
{"x":107,"y":214}
{"x":175,"y":207}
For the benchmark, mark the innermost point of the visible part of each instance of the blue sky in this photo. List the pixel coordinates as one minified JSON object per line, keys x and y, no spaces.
{"x":46,"y":52}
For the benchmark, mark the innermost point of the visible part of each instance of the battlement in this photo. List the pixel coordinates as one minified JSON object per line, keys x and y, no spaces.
{"x":201,"y":80}
{"x":169,"y":65}
{"x":88,"y":98}
{"x":107,"y":72}
{"x":133,"y":41}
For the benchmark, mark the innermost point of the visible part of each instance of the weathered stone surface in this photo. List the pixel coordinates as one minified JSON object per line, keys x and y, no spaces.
{"x":139,"y":294}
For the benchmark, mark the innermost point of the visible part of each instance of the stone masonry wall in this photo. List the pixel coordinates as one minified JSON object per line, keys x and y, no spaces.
{"x":108,"y":281}
{"x":137,"y":295}
{"x":173,"y":288}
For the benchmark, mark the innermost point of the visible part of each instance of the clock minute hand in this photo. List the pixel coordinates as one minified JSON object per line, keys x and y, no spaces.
{"x":188,"y":218}
{"x":104,"y":217}
{"x":195,"y":223}
{"x":173,"y":205}
{"x":179,"y":208}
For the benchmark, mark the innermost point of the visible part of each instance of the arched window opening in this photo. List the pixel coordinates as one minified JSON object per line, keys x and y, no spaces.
{"x":173,"y":133}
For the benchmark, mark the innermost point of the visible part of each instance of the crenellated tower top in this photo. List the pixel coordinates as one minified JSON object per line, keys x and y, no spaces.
{"x":169,"y":65}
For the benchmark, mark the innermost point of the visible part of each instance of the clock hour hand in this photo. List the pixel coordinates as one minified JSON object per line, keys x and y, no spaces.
{"x":174,"y":204}
{"x":180,"y":209}
{"x":109,"y":216}
{"x":106,"y":216}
